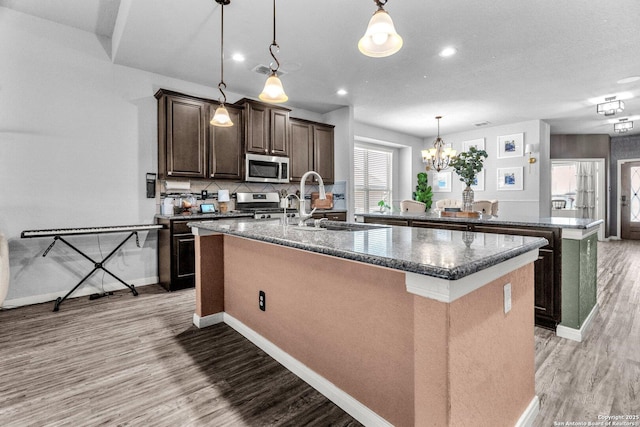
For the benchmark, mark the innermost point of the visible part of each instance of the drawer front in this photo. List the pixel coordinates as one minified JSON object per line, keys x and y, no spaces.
{"x":181,"y":227}
{"x":338,"y":216}
{"x":439,"y":225}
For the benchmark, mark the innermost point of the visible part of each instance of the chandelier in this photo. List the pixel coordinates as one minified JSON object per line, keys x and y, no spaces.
{"x":610,"y":107}
{"x":439,"y":156}
{"x":623,"y":126}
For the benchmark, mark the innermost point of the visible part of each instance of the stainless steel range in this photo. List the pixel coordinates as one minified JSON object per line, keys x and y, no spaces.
{"x":263,"y":205}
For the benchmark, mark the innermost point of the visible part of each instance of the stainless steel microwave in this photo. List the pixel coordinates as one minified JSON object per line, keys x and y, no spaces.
{"x":260,"y":168}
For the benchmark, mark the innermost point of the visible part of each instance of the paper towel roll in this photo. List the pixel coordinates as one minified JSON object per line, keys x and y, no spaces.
{"x":178,"y":186}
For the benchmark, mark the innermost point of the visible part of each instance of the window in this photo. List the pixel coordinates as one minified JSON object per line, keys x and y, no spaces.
{"x":372,"y":177}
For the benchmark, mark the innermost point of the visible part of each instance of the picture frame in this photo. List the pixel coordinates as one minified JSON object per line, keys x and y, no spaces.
{"x":441,"y":182}
{"x":510,"y":179}
{"x":478,"y":143}
{"x":511,"y":146}
{"x":479,"y":183}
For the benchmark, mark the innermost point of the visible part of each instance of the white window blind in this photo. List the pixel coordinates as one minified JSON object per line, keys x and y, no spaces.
{"x":372,"y":178}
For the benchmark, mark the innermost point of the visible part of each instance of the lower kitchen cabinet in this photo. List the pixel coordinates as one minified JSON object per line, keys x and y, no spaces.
{"x":176,"y":255}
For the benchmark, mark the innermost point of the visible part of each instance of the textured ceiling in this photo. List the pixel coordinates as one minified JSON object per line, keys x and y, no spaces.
{"x":516,"y":61}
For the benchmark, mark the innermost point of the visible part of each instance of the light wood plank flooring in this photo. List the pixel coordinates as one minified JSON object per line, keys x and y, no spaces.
{"x":601,"y":375}
{"x":127,"y":361}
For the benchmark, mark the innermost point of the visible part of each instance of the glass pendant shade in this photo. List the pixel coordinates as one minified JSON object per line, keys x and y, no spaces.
{"x":623,"y":127}
{"x":273,"y":91}
{"x":381,"y":38}
{"x":611,"y":107}
{"x":221,"y":117}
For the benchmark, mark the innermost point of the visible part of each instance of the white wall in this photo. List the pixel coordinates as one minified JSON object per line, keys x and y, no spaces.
{"x":77,"y":135}
{"x":534,"y":199}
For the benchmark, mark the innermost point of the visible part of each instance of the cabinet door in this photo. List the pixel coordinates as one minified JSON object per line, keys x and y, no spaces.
{"x":225,"y":160}
{"x":184,"y":261}
{"x":186,"y":134}
{"x":301,"y":152}
{"x":544,"y":284}
{"x":323,"y":152}
{"x":257,"y":124}
{"x":279,"y":135}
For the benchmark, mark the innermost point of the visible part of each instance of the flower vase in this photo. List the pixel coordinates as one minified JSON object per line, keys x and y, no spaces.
{"x":467,"y":199}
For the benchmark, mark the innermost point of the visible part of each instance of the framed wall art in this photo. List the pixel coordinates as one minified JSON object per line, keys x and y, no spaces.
{"x":510,"y":146}
{"x":478,"y":143}
{"x":441,"y":182}
{"x":510,"y":178}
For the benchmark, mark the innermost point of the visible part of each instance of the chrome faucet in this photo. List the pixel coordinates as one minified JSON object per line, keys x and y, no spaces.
{"x":301,"y":204}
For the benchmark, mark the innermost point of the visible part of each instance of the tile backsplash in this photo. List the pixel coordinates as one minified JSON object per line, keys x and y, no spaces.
{"x":338,"y":189}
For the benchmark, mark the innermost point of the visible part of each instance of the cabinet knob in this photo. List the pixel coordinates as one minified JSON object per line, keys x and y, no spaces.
{"x":212,"y":175}
{"x":266,"y":151}
{"x":169,"y":173}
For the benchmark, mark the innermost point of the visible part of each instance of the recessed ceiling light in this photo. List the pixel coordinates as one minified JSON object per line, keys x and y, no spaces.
{"x":238,"y":57}
{"x":448,"y":51}
{"x":628,"y":80}
{"x":342,"y":92}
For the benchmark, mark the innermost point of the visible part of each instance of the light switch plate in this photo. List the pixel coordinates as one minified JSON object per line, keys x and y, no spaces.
{"x":507,"y":298}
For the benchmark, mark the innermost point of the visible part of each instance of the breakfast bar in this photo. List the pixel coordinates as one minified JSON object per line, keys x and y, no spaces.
{"x":397,"y":325}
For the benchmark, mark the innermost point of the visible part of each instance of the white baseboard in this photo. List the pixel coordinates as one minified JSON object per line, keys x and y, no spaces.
{"x":206,"y":321}
{"x":84,"y":290}
{"x":529,"y":415}
{"x":354,"y":408}
{"x":577,"y":334}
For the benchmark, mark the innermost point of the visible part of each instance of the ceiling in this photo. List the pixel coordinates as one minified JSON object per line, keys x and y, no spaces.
{"x":515,"y":61}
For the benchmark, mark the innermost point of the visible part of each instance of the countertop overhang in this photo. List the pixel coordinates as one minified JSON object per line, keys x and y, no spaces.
{"x":521,"y":221}
{"x":443,"y":254}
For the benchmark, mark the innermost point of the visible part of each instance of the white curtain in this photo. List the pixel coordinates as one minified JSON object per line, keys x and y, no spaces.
{"x":586,"y":191}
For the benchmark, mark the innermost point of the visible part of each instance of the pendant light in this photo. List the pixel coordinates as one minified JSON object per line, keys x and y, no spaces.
{"x":273,"y":91}
{"x":381,"y":38}
{"x":221,"y":116}
{"x":439,"y":156}
{"x":623,"y":126}
{"x":610,"y":107}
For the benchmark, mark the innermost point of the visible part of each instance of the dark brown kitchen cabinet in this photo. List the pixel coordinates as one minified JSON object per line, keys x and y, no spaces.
{"x":182,"y":135}
{"x":387,"y":221}
{"x":266,"y":128}
{"x":176,"y":255}
{"x":225,"y":148}
{"x":331,"y":216}
{"x":311,"y":149}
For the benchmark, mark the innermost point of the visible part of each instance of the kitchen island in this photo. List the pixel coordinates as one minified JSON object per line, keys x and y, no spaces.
{"x":565,"y":271}
{"x":397,"y":325}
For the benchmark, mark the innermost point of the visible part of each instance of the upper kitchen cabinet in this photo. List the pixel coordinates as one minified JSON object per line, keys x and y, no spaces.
{"x":189,"y":147}
{"x":266,"y":128}
{"x":182,"y":135}
{"x":225,"y":158}
{"x":311,"y":149}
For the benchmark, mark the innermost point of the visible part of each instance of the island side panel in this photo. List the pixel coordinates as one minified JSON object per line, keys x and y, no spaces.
{"x":492,"y":354}
{"x":209,"y":274}
{"x":352,"y":323}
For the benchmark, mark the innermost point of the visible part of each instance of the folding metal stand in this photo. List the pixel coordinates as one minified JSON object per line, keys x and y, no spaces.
{"x":97,"y":265}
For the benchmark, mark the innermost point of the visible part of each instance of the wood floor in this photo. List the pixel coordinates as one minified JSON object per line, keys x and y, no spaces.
{"x":601,"y":375}
{"x":137,"y":361}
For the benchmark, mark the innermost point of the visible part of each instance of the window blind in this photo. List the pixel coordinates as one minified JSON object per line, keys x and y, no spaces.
{"x":372,"y":178}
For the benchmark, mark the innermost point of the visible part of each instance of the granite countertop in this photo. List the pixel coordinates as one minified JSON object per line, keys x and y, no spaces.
{"x":445,"y":254}
{"x":199,"y":216}
{"x":578,"y":223}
